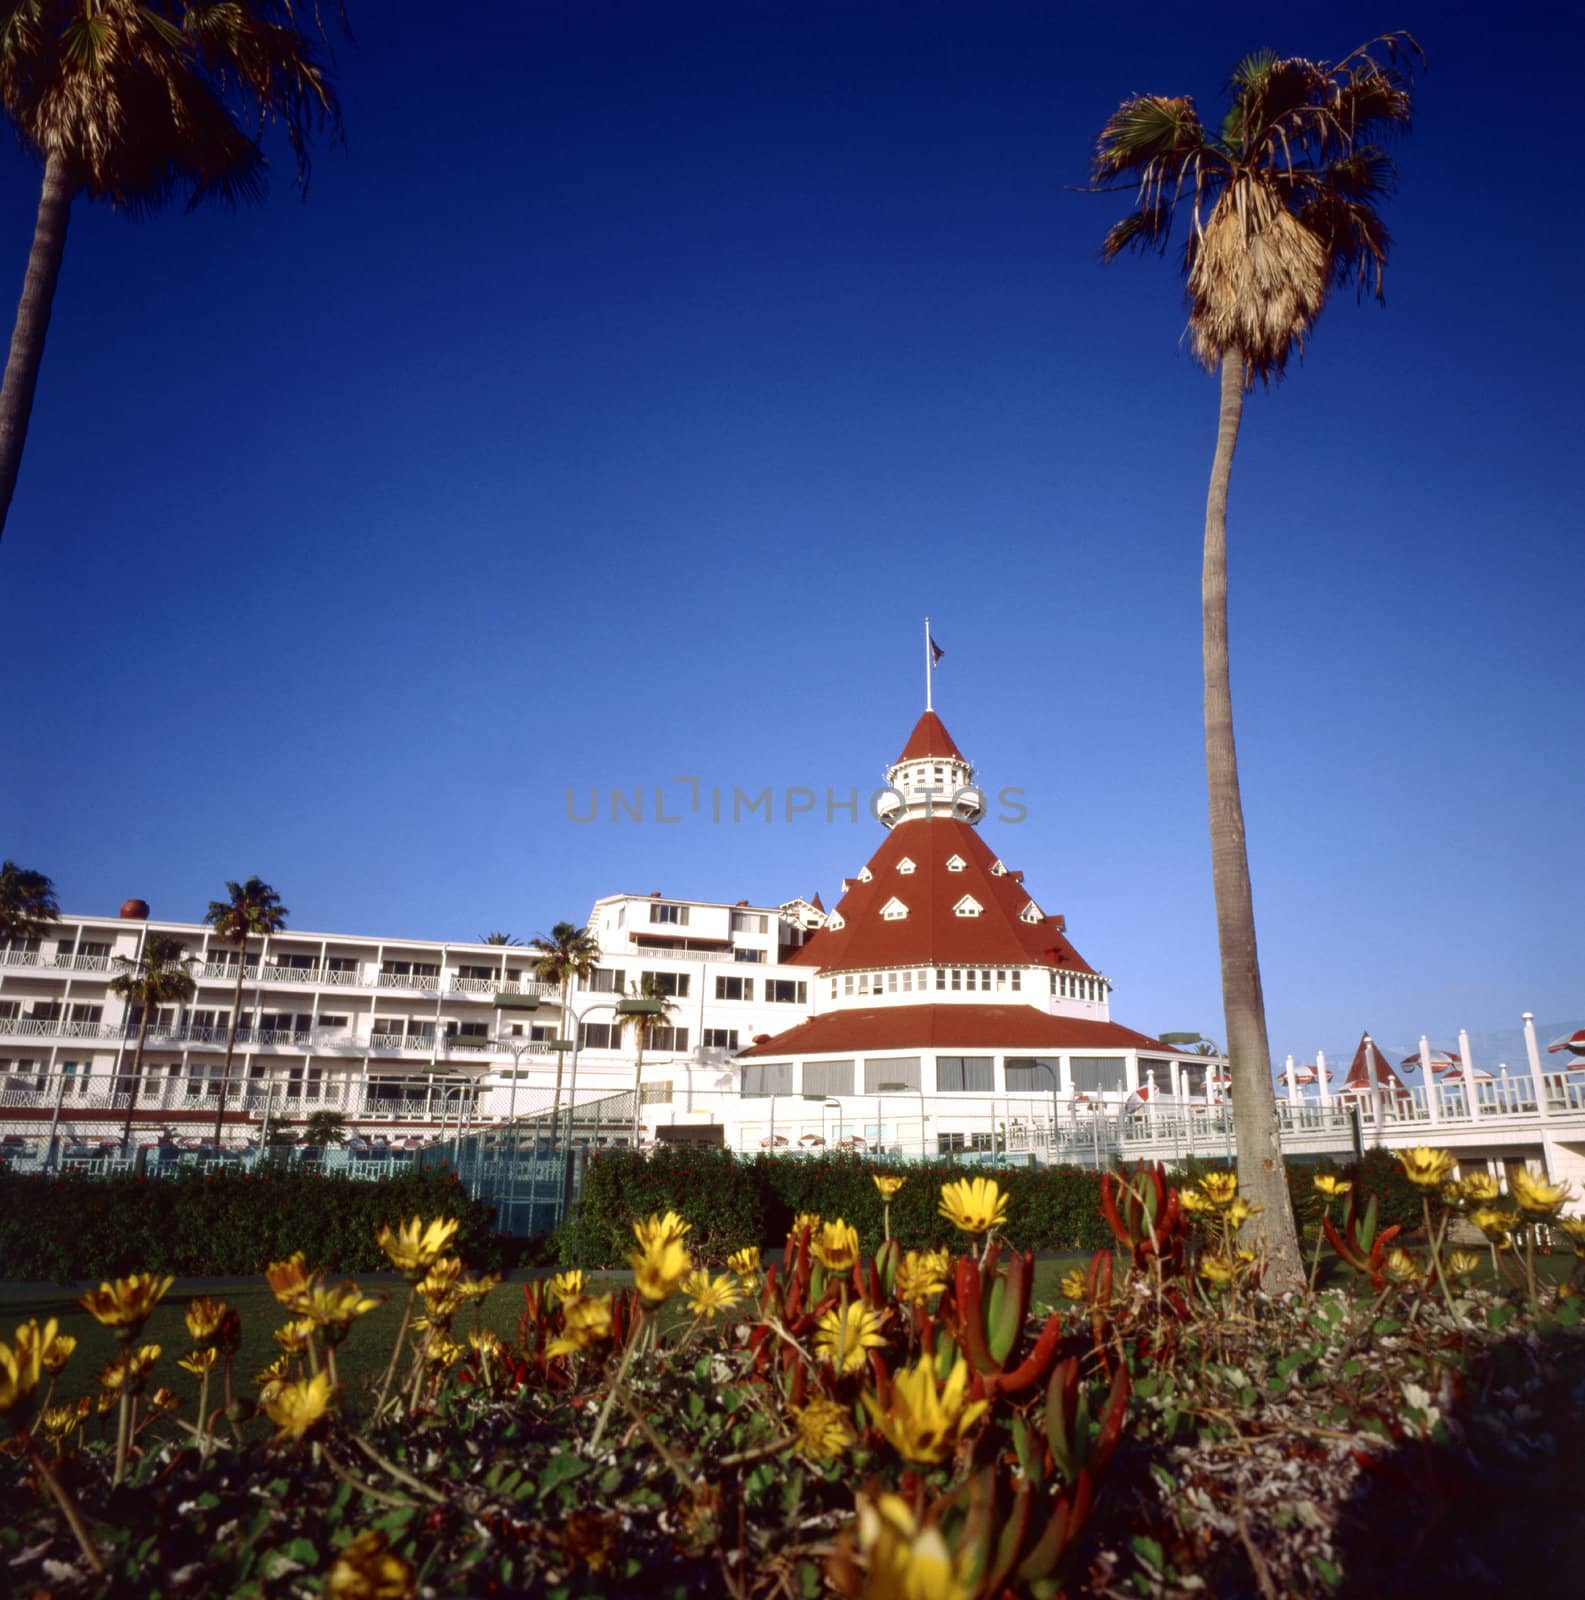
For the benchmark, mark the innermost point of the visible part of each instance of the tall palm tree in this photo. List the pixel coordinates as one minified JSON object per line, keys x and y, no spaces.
{"x":567,"y":952}
{"x":500,"y":938}
{"x":158,"y":977}
{"x":253,"y":908}
{"x":644,"y":1027}
{"x":1281,"y":202}
{"x":132,"y":102}
{"x":27,"y":902}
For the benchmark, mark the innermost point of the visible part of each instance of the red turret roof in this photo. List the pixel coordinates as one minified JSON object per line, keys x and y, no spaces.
{"x":952,"y":1027}
{"x":930,"y":738}
{"x":1363,"y":1076}
{"x":932,"y":933}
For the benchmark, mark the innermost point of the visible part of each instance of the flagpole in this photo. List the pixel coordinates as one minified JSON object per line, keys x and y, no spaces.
{"x":929,"y":669}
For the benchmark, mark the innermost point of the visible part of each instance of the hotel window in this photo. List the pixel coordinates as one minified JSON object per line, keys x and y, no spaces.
{"x":475,"y":971}
{"x":1095,"y":1074}
{"x":903,"y":1070}
{"x":655,"y":1094}
{"x":786,"y":991}
{"x":941,"y":978}
{"x":734,"y":988}
{"x":667,"y":1039}
{"x":847,"y":983}
{"x":956,"y":864}
{"x":968,"y":906}
{"x":946,"y":1143}
{"x":748,"y":955}
{"x":1191,"y":1079}
{"x":677,"y":916}
{"x":969,"y":979}
{"x":606,"y":980}
{"x":905,"y":866}
{"x":600,"y":1035}
{"x":340,"y":964}
{"x":833,"y":988}
{"x":966,"y":1073}
{"x":957,"y":977}
{"x":720,"y":1038}
{"x":328,"y":1020}
{"x":674,"y":984}
{"x":908,"y":982}
{"x":769,"y":1077}
{"x":829,"y":1078}
{"x":1024,"y":1076}
{"x":891,"y":983}
{"x":1018,"y":981}
{"x":748,"y":922}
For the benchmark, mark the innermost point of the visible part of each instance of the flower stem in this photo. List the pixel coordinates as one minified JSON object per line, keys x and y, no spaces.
{"x":68,"y":1510}
{"x":610,"y":1399}
{"x":123,"y":1432}
{"x":1320,"y":1234}
{"x":396,"y":1349}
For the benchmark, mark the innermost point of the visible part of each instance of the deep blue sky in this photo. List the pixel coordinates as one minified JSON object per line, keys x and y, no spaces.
{"x":636,"y":378}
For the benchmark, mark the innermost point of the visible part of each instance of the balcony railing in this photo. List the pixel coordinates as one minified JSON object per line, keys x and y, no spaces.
{"x":73,"y":963}
{"x":19,"y":958}
{"x":273,"y":974}
{"x":344,"y":978}
{"x":58,"y":1028}
{"x":228,"y":969}
{"x":409,"y":980}
{"x":384,"y":1043}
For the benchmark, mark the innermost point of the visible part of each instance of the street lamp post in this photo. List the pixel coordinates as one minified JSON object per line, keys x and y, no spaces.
{"x":519,"y":1046}
{"x":1056,"y":1098}
{"x":904,"y":1088}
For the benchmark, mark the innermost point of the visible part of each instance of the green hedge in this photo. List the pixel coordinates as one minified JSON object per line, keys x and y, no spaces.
{"x":72,"y":1227}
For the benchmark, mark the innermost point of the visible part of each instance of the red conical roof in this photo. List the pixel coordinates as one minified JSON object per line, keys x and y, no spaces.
{"x":930,"y":738}
{"x":1363,"y":1076}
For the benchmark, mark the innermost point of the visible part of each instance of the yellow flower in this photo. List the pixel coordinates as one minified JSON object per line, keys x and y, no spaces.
{"x":279,"y":1369}
{"x":1574,"y":1227}
{"x":888,"y":1183}
{"x":1074,"y":1287}
{"x":289,"y":1280}
{"x":906,"y":1561}
{"x":1478,"y":1189}
{"x":20,"y":1368}
{"x":567,"y":1285}
{"x":1217,"y":1271}
{"x":336,"y":1309}
{"x":294,"y":1408}
{"x":921,"y":1274}
{"x":1425,"y":1168}
{"x":924,"y":1422}
{"x":166,"y":1399}
{"x":1220,"y":1188}
{"x":59,"y":1421}
{"x":485,"y":1343}
{"x":835,"y":1245}
{"x":127,"y":1303}
{"x":822,"y":1429}
{"x":416,"y":1246}
{"x":973,"y":1205}
{"x":293,"y":1338}
{"x":659,"y":1268}
{"x":585,"y":1321}
{"x":441,"y":1350}
{"x":1495,"y":1224}
{"x":1462,"y":1263}
{"x":1240,"y":1211}
{"x":669,"y":1229}
{"x":1534,"y":1196}
{"x":47,"y":1347}
{"x":205,"y":1318}
{"x":128,"y":1369}
{"x":471,"y":1288}
{"x":1332,"y":1186}
{"x":806,"y":1219}
{"x":1401,"y":1267}
{"x":843,"y":1336}
{"x":200,"y":1361}
{"x":708,"y":1296}
{"x":1193,"y":1201}
{"x":368,"y":1570}
{"x":745,"y":1262}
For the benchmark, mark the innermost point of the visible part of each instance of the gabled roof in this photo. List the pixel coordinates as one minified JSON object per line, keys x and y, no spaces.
{"x":931,"y":934}
{"x":930,"y":738}
{"x":949,"y":1027}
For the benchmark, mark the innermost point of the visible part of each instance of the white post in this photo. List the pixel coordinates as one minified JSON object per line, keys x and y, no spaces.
{"x":1373,"y":1073}
{"x":1468,"y":1069}
{"x":1502,"y":1086}
{"x":1533,"y":1051}
{"x":1150,"y":1100}
{"x":1320,"y":1078}
{"x":930,"y":670}
{"x":1433,"y":1111}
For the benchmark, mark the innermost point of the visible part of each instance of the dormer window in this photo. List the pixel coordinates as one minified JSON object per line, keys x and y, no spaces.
{"x":1031,"y":913}
{"x":894,"y":910}
{"x":835,"y":922}
{"x":905,"y":866}
{"x":968,"y":906}
{"x":997,"y":869}
{"x":956,"y":863}
{"x":865,"y":875}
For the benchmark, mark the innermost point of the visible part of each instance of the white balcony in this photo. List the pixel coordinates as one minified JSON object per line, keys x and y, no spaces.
{"x":58,"y":1028}
{"x":291,"y":974}
{"x":228,"y":969}
{"x":426,"y":982}
{"x":19,"y":958}
{"x":71,"y":963}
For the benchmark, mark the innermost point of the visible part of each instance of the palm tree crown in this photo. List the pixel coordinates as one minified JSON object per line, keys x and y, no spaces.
{"x":566,"y":952}
{"x":27,"y":902}
{"x":253,"y":908}
{"x":157,"y":977}
{"x":500,"y":938}
{"x":1281,"y":199}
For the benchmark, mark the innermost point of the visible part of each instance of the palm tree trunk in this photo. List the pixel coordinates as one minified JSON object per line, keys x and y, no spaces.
{"x":1260,"y":1169}
{"x":32,"y":323}
{"x":555,"y":1103}
{"x":137,"y":1077}
{"x":638,"y":1090}
{"x":231,"y":1040}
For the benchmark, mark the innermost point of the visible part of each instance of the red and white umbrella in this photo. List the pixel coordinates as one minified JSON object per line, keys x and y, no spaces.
{"x":1574,"y":1043}
{"x":1140,"y":1098}
{"x":811,"y":1139}
{"x":1442,"y":1062}
{"x":773,"y":1144}
{"x":1304,"y":1077}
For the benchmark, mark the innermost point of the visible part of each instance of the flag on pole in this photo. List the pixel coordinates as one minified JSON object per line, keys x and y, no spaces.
{"x":936,"y":652}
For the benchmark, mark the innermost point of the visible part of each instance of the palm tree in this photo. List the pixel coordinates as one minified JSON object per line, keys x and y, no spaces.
{"x":132,"y":102}
{"x":27,"y":902}
{"x":325,"y":1128}
{"x":567,"y":952}
{"x":157,"y":977}
{"x":1281,"y":204}
{"x":254,"y":908}
{"x":644,"y":1025}
{"x":500,"y":938}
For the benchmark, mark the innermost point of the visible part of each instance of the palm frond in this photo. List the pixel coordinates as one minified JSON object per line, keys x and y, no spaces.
{"x":1147,"y":131}
{"x":1145,"y":229}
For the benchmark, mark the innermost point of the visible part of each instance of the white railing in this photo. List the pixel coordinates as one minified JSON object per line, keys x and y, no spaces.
{"x":480,"y":986}
{"x":341,"y":979}
{"x":19,"y":958}
{"x":273,"y":974}
{"x":386,"y":1042}
{"x":297,"y":1038}
{"x":83,"y":963}
{"x":408,"y":980}
{"x":59,"y":1028}
{"x":228,"y":969}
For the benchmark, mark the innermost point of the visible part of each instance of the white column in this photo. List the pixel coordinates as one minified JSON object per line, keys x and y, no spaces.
{"x":1468,"y":1068}
{"x":1377,"y":1088}
{"x":1433,"y":1110}
{"x":1533,"y":1052}
{"x":1320,"y":1078}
